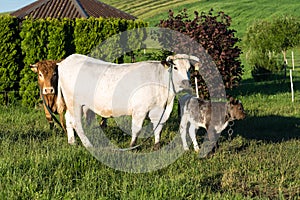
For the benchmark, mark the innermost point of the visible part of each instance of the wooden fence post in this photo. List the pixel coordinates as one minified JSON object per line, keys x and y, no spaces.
{"x":293,"y":61}
{"x":196,"y":86}
{"x":292,"y":87}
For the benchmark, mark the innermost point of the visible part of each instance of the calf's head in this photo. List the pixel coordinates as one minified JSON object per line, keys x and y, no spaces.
{"x":47,"y":76}
{"x":236,"y":109}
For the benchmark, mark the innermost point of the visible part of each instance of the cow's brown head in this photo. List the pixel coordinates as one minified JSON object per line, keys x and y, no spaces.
{"x":236,"y":109}
{"x":47,"y":76}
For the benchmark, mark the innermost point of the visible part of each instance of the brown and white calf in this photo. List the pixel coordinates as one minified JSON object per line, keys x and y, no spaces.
{"x":47,"y":81}
{"x":196,"y":112}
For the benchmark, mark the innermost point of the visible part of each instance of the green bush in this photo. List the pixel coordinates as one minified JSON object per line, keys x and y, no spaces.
{"x":266,"y":41}
{"x":42,"y":39}
{"x":10,"y":56}
{"x":92,"y":32}
{"x":60,"y":38}
{"x":34,"y":46}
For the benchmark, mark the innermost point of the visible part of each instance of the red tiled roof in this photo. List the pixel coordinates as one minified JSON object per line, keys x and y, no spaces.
{"x":70,"y":9}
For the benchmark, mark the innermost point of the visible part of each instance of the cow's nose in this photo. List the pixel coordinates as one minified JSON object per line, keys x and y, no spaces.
{"x":185,"y":84}
{"x":48,"y":90}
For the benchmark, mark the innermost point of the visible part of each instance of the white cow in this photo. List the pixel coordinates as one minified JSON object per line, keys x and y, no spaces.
{"x":112,"y":90}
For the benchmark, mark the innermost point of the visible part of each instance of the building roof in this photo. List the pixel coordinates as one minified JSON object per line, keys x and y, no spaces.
{"x":70,"y":9}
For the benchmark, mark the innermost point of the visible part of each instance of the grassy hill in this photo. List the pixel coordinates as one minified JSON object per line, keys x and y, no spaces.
{"x":243,"y":12}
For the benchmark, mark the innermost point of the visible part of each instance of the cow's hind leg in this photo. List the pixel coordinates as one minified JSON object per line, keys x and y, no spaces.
{"x":78,"y":127}
{"x":62,"y":122}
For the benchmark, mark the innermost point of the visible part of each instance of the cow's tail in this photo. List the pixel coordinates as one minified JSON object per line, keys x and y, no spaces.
{"x":61,"y":106}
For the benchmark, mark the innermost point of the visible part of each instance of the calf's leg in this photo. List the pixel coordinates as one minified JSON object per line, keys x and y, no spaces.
{"x":192,"y":133}
{"x":182,"y":129}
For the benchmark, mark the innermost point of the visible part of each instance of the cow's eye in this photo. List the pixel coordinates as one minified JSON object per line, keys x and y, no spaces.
{"x":41,"y":75}
{"x":175,"y":68}
{"x":54,"y":73}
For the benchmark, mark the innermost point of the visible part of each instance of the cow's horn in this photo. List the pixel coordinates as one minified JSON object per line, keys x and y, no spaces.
{"x":195,"y":58}
{"x":197,"y":66}
{"x":169,"y":58}
{"x":33,"y":68}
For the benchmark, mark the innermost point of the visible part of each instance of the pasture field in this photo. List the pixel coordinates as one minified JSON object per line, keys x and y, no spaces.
{"x":242,"y":12}
{"x":262,"y":161}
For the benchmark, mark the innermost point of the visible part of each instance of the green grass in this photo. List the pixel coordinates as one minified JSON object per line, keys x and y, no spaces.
{"x":261,"y":162}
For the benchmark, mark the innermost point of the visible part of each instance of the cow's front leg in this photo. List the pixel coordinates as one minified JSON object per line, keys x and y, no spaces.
{"x":158,"y":117}
{"x":69,"y":127}
{"x":136,"y":126}
{"x":49,"y":118}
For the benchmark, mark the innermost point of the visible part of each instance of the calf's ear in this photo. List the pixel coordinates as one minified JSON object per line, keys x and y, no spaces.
{"x":34,"y":68}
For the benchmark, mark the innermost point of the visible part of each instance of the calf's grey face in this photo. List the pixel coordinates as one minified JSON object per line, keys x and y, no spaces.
{"x":236,"y":109}
{"x":47,"y":76}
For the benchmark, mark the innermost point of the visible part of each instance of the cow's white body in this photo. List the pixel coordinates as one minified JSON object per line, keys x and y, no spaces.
{"x":112,"y":90}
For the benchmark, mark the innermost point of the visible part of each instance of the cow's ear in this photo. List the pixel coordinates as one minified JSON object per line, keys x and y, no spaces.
{"x":165,"y":64}
{"x":170,"y":58}
{"x":34,"y":68}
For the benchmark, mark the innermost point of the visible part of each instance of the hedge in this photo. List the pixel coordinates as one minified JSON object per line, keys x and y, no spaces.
{"x":90,"y":33}
{"x":24,"y":43}
{"x":10,"y":56}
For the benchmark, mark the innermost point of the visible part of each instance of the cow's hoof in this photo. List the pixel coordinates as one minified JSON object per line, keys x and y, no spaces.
{"x":72,"y":141}
{"x":156,"y":146}
{"x":197,"y":150}
{"x":132,"y":143}
{"x":103,"y":123}
{"x":186,"y":148}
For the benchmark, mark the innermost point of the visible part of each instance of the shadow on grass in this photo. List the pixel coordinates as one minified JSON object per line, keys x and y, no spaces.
{"x":269,"y":128}
{"x":272,"y":87}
